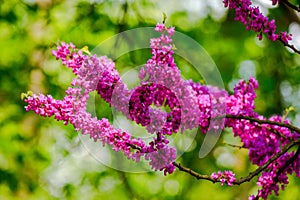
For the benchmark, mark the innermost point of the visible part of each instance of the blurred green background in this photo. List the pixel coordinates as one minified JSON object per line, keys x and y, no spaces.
{"x":43,"y":159}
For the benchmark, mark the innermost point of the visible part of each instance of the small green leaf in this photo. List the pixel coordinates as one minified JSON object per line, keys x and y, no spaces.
{"x":287,"y":110}
{"x":27,"y":94}
{"x":85,"y":49}
{"x":164,"y":17}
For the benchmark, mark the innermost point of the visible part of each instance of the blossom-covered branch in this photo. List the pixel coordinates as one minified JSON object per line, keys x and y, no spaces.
{"x":253,"y":19}
{"x":251,"y":174}
{"x":266,"y":121}
{"x":190,"y":105}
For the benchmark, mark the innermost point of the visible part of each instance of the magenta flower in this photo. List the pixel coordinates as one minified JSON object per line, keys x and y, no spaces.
{"x":285,"y":37}
{"x":254,"y":20}
{"x":227,"y":177}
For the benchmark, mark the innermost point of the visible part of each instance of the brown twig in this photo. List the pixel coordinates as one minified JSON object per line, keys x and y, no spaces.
{"x":289,"y":4}
{"x":265,"y":121}
{"x":234,"y":145}
{"x":290,"y":46}
{"x":193,"y":173}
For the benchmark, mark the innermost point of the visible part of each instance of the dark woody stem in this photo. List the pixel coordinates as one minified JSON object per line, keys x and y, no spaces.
{"x":290,"y":46}
{"x":265,"y":121}
{"x":289,"y":4}
{"x":243,"y":179}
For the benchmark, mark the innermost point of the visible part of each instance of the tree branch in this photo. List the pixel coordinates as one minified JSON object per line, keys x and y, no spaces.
{"x":290,"y":46}
{"x":289,"y":4}
{"x":263,"y":167}
{"x":265,"y":121}
{"x":259,"y":169}
{"x":235,"y":146}
{"x":290,"y":161}
{"x":243,"y":179}
{"x":193,"y":173}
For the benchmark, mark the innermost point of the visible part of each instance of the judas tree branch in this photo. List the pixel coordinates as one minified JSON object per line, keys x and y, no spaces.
{"x":297,"y":9}
{"x":288,"y":163}
{"x":289,"y":4}
{"x":193,"y":173}
{"x":290,"y":46}
{"x":265,"y":121}
{"x":263,"y":167}
{"x":243,"y":179}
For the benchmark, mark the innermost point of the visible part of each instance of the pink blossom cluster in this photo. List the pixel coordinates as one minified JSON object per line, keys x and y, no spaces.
{"x":271,"y":181}
{"x":73,"y":107}
{"x":186,"y":105}
{"x":263,"y":141}
{"x":227,"y":177}
{"x":161,"y":71}
{"x":155,"y":120}
{"x":98,"y":73}
{"x":69,"y":55}
{"x":46,"y":106}
{"x":254,"y":20}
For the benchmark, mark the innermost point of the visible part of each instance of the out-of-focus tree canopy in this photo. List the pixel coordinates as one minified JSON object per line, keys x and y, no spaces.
{"x":44,"y":159}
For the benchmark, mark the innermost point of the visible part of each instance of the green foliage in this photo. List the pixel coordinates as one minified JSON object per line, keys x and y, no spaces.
{"x":43,"y":159}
